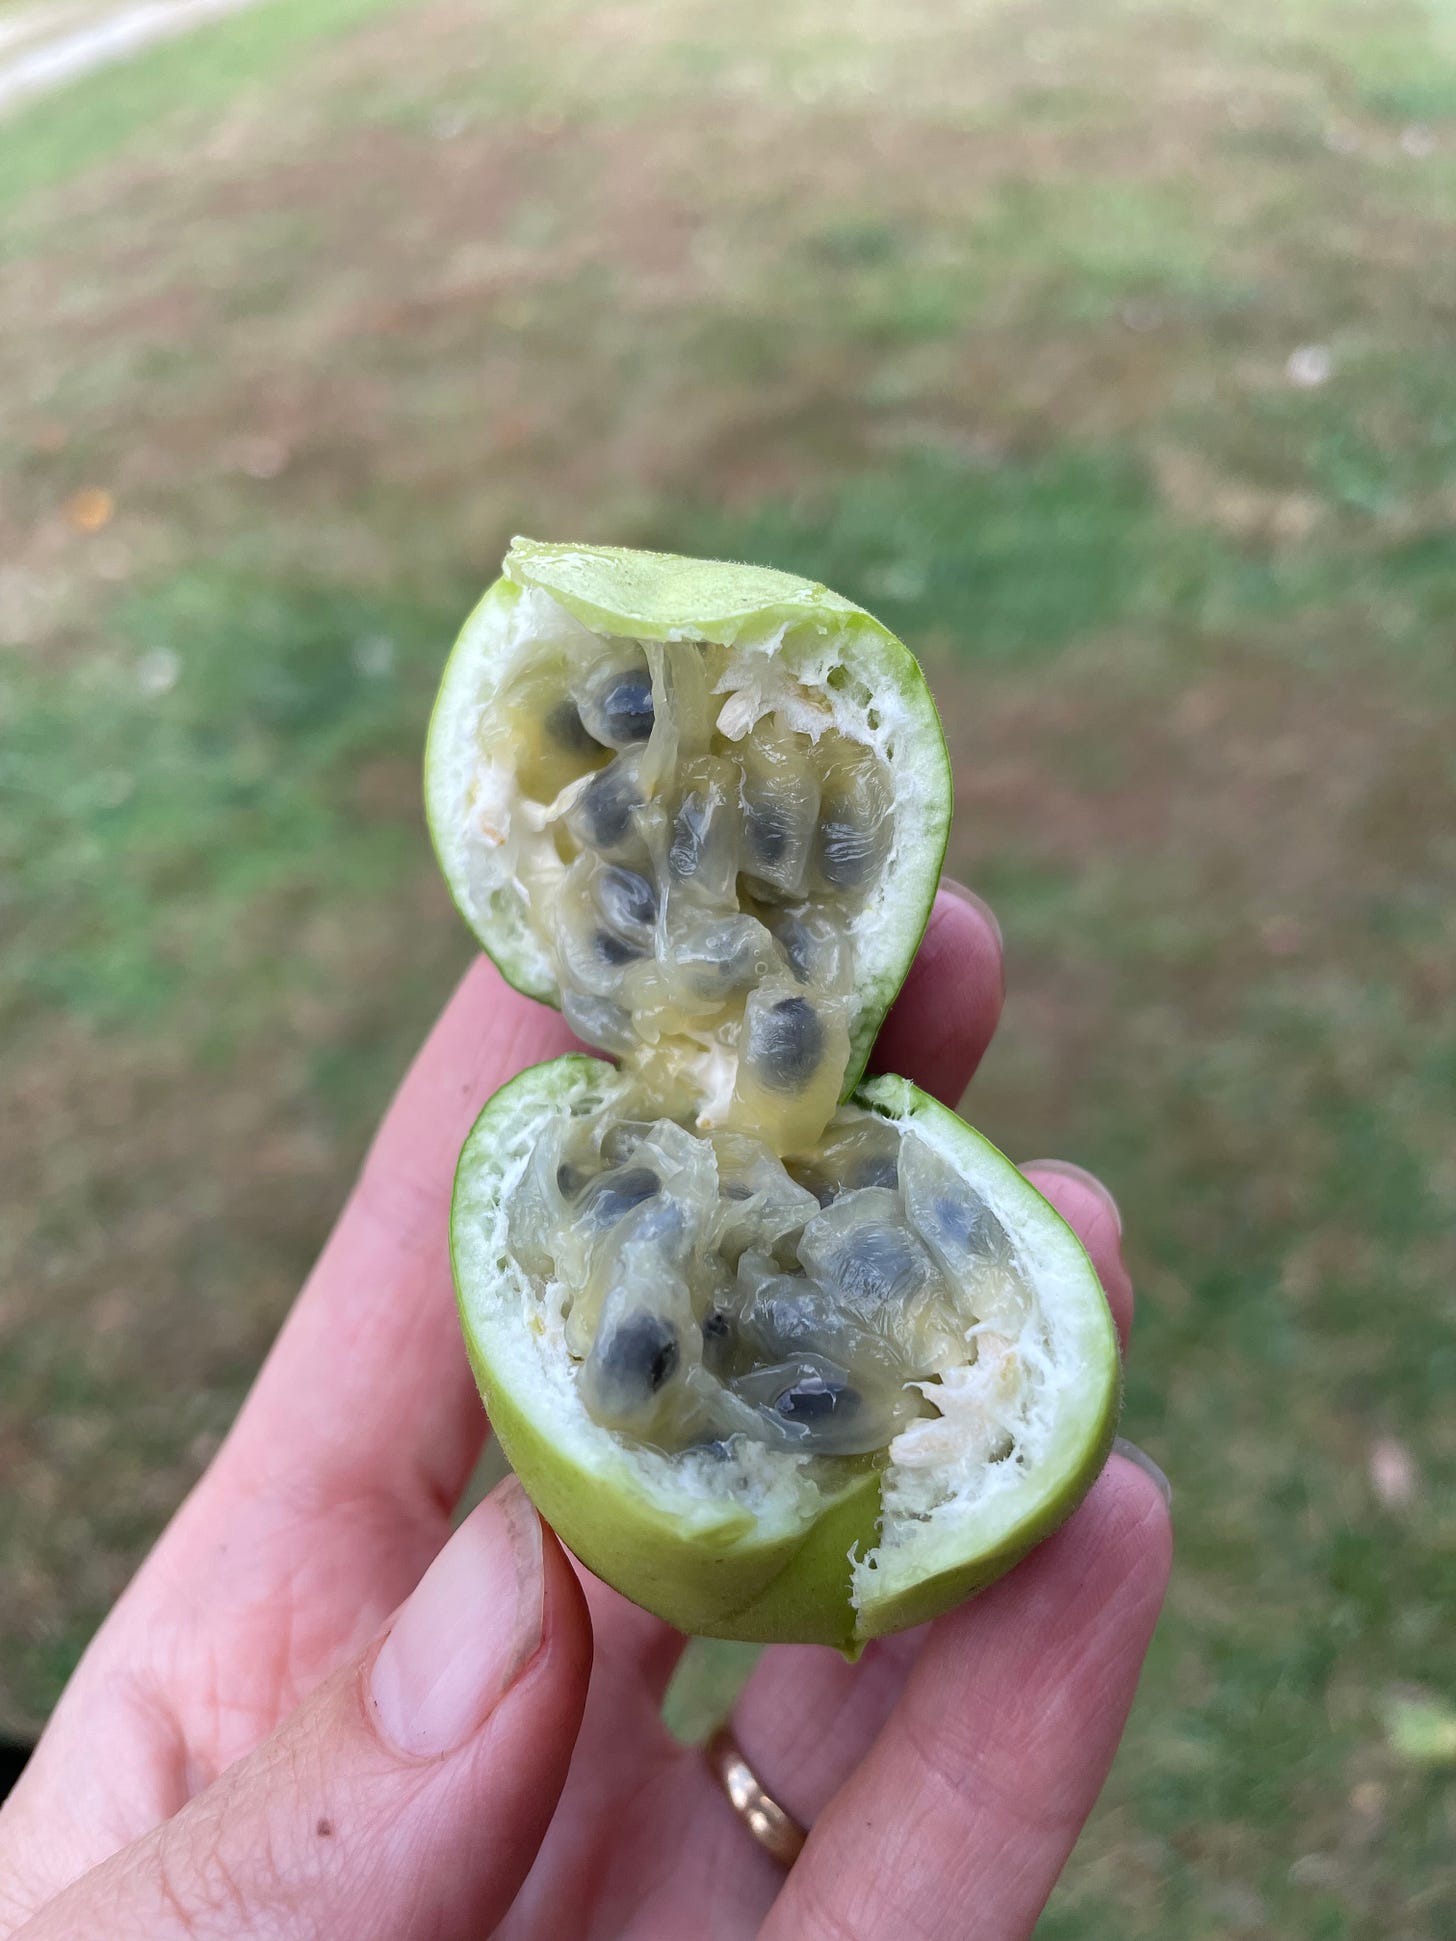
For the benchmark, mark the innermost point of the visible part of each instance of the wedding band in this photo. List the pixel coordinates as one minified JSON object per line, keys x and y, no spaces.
{"x":776,"y":1831}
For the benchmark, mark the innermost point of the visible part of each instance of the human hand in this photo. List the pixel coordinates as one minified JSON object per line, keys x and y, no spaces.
{"x":263,"y":1740}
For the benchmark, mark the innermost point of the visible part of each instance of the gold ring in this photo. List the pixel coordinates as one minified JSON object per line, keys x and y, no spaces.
{"x":776,"y":1831}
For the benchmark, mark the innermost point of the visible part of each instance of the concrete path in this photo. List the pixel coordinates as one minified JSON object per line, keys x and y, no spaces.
{"x":44,"y":46}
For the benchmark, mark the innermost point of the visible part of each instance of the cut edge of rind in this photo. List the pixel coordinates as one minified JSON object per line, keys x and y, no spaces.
{"x":927,"y":1570}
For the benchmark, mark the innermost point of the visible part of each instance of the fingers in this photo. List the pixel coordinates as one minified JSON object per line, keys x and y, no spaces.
{"x":374,"y":1338}
{"x":944,"y":1018}
{"x":961,"y":1816}
{"x":1092,"y":1214}
{"x":408,"y":1796}
{"x":807,"y":1718}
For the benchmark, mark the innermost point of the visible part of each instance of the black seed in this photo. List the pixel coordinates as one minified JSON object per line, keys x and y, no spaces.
{"x":607,"y":806}
{"x":845,"y":851}
{"x":567,"y":729}
{"x":876,"y":1264}
{"x":612,"y":950}
{"x":642,"y":1353}
{"x":627,"y":709}
{"x":717,"y":1327}
{"x":689,"y":834}
{"x":569,"y":1180}
{"x":617,"y":1193}
{"x":786,"y":1043}
{"x":627,"y":900}
{"x":814,"y":1399}
{"x":736,"y":1191}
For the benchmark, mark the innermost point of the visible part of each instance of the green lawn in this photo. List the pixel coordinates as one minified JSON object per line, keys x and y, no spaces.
{"x":1106,"y":353}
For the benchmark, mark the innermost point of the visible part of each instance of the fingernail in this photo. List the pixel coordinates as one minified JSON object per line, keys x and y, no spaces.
{"x":1067,"y":1170}
{"x":1143,"y":1461}
{"x":471,"y":1624}
{"x":963,"y":895}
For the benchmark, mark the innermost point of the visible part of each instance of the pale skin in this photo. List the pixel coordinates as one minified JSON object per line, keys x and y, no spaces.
{"x":277,"y":1734}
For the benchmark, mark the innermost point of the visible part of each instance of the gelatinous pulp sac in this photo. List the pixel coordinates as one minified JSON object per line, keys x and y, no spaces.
{"x":710,"y":1293}
{"x":694,"y":860}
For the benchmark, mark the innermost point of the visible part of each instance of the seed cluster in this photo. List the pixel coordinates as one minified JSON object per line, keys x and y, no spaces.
{"x":712,"y":1291}
{"x":745,"y":1260}
{"x":694,"y":868}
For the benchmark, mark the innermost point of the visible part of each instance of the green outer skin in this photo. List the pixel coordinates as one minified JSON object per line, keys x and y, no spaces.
{"x":663,"y":596}
{"x":711,"y":1571}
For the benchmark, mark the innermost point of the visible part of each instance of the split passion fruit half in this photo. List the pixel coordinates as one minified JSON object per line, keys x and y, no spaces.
{"x":780,"y":1355}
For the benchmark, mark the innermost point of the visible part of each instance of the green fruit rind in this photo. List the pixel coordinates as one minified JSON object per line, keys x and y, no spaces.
{"x":709,"y":1564}
{"x":663,"y":597}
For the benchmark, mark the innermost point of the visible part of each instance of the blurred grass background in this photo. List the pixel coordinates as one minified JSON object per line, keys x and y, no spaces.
{"x":1106,"y":352}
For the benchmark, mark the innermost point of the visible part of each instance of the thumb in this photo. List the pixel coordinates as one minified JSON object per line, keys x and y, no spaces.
{"x":407,"y":1796}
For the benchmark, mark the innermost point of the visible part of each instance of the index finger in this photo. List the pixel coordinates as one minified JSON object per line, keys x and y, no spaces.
{"x":367,"y":1386}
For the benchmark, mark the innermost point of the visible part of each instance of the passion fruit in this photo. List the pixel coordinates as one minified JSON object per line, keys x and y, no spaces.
{"x":781,"y":1355}
{"x":746,"y":764}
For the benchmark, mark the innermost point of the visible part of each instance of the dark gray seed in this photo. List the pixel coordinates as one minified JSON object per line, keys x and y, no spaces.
{"x":815,"y":1398}
{"x":627,"y":900}
{"x":723,"y":956}
{"x":567,"y":729}
{"x":877,"y":1264}
{"x":971,"y":1224}
{"x":661,"y":1224}
{"x":639,"y":1356}
{"x":793,"y":939}
{"x":789,"y":1323}
{"x":612,"y":950}
{"x":689,"y":834}
{"x":786,"y":1043}
{"x":617,"y":1193}
{"x":569,"y":1180}
{"x":736,"y":1191}
{"x":627,"y":709}
{"x":845,"y":850}
{"x":883,"y":1170}
{"x":719,"y":1341}
{"x":597,"y":1020}
{"x":768,"y":828}
{"x":607,"y":806}
{"x":823,"y":1188}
